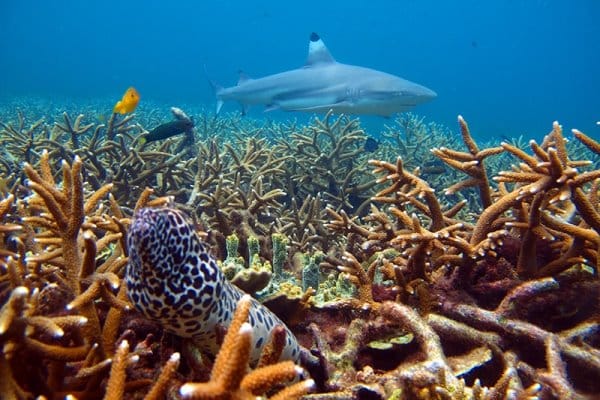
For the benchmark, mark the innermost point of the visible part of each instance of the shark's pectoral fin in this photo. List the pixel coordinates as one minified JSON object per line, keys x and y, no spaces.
{"x":219,"y":106}
{"x":344,"y":104}
{"x":272,"y":107}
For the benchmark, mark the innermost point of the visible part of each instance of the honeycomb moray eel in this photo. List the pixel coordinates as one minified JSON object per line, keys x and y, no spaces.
{"x":172,"y":279}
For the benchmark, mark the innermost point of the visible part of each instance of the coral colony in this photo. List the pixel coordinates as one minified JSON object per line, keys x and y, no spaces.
{"x":428,"y":266}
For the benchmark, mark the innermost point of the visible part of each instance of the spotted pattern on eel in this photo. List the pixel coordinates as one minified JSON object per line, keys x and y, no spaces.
{"x":172,"y":279}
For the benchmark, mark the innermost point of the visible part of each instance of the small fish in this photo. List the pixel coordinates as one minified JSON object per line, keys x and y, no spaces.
{"x":371,"y":145}
{"x":168,"y":130}
{"x":128,"y":103}
{"x":433,"y":167}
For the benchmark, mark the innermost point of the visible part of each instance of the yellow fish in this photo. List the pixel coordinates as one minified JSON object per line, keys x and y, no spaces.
{"x":128,"y":103}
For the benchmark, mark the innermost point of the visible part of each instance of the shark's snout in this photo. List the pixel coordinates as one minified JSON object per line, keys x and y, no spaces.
{"x":420,"y":94}
{"x":428,"y":94}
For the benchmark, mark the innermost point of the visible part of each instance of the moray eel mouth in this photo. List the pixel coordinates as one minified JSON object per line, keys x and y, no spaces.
{"x":170,"y":277}
{"x":161,"y":235}
{"x":142,"y":231}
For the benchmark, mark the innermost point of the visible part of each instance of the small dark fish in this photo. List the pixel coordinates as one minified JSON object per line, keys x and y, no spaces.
{"x":433,"y":167}
{"x":168,"y":130}
{"x":371,"y":145}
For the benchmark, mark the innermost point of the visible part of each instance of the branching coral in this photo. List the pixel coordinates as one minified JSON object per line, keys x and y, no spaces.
{"x":411,"y":137}
{"x":534,"y":243}
{"x":304,"y":224}
{"x":62,"y":213}
{"x":326,"y":159}
{"x":235,"y":190}
{"x":471,"y":163}
{"x":62,"y":307}
{"x":21,"y":331}
{"x":21,"y":143}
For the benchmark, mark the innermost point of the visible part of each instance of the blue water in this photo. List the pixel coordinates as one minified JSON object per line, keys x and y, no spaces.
{"x":509,"y":67}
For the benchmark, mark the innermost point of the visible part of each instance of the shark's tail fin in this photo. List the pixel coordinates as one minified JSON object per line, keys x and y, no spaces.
{"x":216,"y":89}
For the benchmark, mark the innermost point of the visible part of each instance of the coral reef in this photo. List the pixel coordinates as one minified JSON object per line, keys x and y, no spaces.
{"x":489,"y":286}
{"x":62,"y":297}
{"x":452,"y":271}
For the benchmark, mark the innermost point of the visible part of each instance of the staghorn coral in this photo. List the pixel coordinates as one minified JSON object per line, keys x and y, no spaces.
{"x":61,"y":305}
{"x":326,"y":160}
{"x":491,"y":287}
{"x":62,"y":213}
{"x":410,"y":137}
{"x":110,"y":153}
{"x":235,"y":184}
{"x":235,"y":190}
{"x":471,"y":163}
{"x":21,"y":143}
{"x":24,"y":331}
{"x":304,"y":224}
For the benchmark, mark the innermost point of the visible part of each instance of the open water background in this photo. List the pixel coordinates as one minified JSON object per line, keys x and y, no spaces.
{"x":510,"y":67}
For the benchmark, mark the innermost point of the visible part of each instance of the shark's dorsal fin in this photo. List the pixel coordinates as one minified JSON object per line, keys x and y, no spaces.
{"x":317,"y":51}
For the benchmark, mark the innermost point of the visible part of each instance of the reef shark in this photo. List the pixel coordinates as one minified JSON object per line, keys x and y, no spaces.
{"x":324,"y":84}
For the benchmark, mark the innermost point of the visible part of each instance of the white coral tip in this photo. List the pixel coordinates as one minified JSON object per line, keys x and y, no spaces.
{"x":246,"y":298}
{"x":310,"y":384}
{"x":246,"y":328}
{"x":58,"y":333}
{"x":21,"y":291}
{"x":187,"y":389}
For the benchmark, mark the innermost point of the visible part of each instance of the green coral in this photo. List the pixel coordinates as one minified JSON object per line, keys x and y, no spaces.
{"x":290,"y":289}
{"x":335,"y":287}
{"x":253,"y":251}
{"x":233,"y":263}
{"x":310,"y":271}
{"x":344,"y":286}
{"x":232,"y":243}
{"x":396,"y":395}
{"x":390,"y":342}
{"x":280,"y":242}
